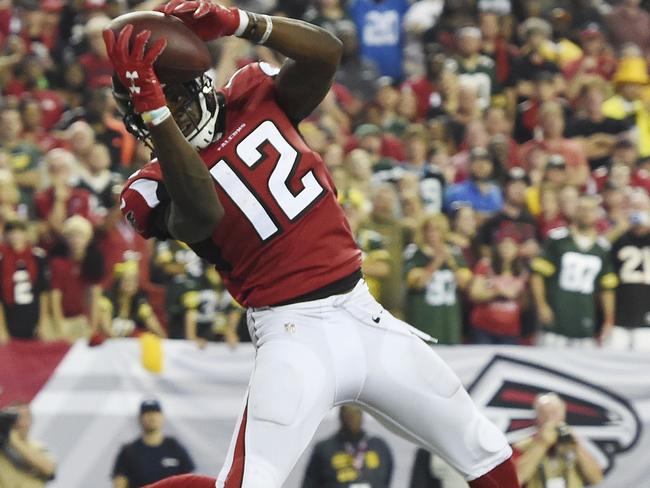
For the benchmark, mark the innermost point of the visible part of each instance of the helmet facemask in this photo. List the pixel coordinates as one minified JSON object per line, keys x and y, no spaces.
{"x":194,"y":106}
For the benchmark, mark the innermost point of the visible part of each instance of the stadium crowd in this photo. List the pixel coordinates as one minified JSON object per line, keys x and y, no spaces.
{"x":492,"y":157}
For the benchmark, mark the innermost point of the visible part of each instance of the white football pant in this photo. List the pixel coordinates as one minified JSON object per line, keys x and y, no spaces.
{"x":316,"y":355}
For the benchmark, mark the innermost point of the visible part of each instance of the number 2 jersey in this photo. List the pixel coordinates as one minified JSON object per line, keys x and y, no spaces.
{"x":574,"y":276}
{"x":283,"y":234}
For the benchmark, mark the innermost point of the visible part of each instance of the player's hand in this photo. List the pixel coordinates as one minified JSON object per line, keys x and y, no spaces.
{"x":206,"y":19}
{"x":135,"y":67}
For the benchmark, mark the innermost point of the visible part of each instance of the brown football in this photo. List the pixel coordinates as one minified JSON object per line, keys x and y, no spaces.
{"x":185,"y":57}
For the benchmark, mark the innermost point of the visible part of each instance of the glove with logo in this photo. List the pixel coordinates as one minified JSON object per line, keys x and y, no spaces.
{"x":135,"y":68}
{"x":207,"y":20}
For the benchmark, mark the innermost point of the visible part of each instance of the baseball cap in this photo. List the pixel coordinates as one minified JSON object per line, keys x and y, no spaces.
{"x":150,"y":405}
{"x":479,"y":153}
{"x":367,"y":130}
{"x":469,"y":31}
{"x":386,"y":81}
{"x":556,"y":161}
{"x":517,"y":174}
{"x":591,"y":30}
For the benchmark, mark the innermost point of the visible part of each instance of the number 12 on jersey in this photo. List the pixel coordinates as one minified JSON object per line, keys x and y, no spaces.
{"x":291,"y":205}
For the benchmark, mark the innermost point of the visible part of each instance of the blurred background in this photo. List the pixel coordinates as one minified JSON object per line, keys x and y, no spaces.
{"x":493,"y":159}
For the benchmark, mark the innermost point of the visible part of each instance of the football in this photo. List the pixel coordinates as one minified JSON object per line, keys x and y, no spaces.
{"x":184,"y":58}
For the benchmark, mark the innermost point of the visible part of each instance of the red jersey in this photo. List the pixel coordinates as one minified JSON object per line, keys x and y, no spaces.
{"x":283,"y":233}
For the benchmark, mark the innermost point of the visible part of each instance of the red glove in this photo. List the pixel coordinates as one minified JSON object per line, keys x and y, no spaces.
{"x":207,"y":20}
{"x":135,"y":69}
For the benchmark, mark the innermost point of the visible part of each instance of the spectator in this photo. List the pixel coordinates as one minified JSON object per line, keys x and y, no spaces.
{"x":495,"y":45}
{"x":23,"y":156}
{"x":478,"y":191}
{"x":10,"y":206}
{"x":535,"y":34}
{"x":631,"y":256}
{"x":596,"y":58}
{"x":350,"y":457}
{"x":435,"y":272}
{"x":77,"y":270}
{"x":541,"y":88}
{"x":573,"y":271}
{"x":356,"y":73}
{"x":24,"y":287}
{"x":628,"y":22}
{"x":549,"y":217}
{"x":463,"y":232}
{"x":96,"y":178}
{"x":369,"y":137}
{"x":61,"y":200}
{"x":513,"y":218}
{"x":125,"y":310}
{"x":379,"y":24}
{"x":592,"y":129}
{"x":551,"y":124}
{"x":383,"y":220}
{"x":501,"y":144}
{"x":95,"y":62}
{"x":426,"y":86}
{"x":470,"y":64}
{"x":24,"y":462}
{"x":153,"y":456}
{"x":210,"y":311}
{"x":555,"y":451}
{"x":498,"y":292}
{"x":630,"y":78}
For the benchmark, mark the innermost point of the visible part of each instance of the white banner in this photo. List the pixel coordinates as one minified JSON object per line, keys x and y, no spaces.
{"x":88,"y":409}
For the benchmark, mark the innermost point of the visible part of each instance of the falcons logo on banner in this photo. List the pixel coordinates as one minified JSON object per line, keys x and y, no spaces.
{"x":506,"y":389}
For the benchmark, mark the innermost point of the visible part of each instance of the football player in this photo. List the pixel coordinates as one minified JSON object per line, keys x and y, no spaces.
{"x":235,"y":180}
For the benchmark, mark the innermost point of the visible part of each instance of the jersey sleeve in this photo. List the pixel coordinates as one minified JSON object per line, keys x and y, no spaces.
{"x":546,"y":263}
{"x":144,"y":202}
{"x":250,"y":83}
{"x":607,"y":279}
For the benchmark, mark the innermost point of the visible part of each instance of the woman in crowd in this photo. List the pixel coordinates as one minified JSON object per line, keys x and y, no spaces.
{"x":498,"y":294}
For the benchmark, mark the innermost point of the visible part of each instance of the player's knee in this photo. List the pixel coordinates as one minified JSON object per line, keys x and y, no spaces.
{"x":276,"y":392}
{"x":489,"y":438}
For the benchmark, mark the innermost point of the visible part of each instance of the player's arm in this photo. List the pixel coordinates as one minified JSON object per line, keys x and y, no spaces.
{"x":195,"y":209}
{"x":313,"y":53}
{"x":313,"y":58}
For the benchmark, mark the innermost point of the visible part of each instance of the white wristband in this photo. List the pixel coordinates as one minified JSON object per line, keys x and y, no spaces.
{"x":267,"y":32}
{"x":243,"y":23}
{"x":157,"y":116}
